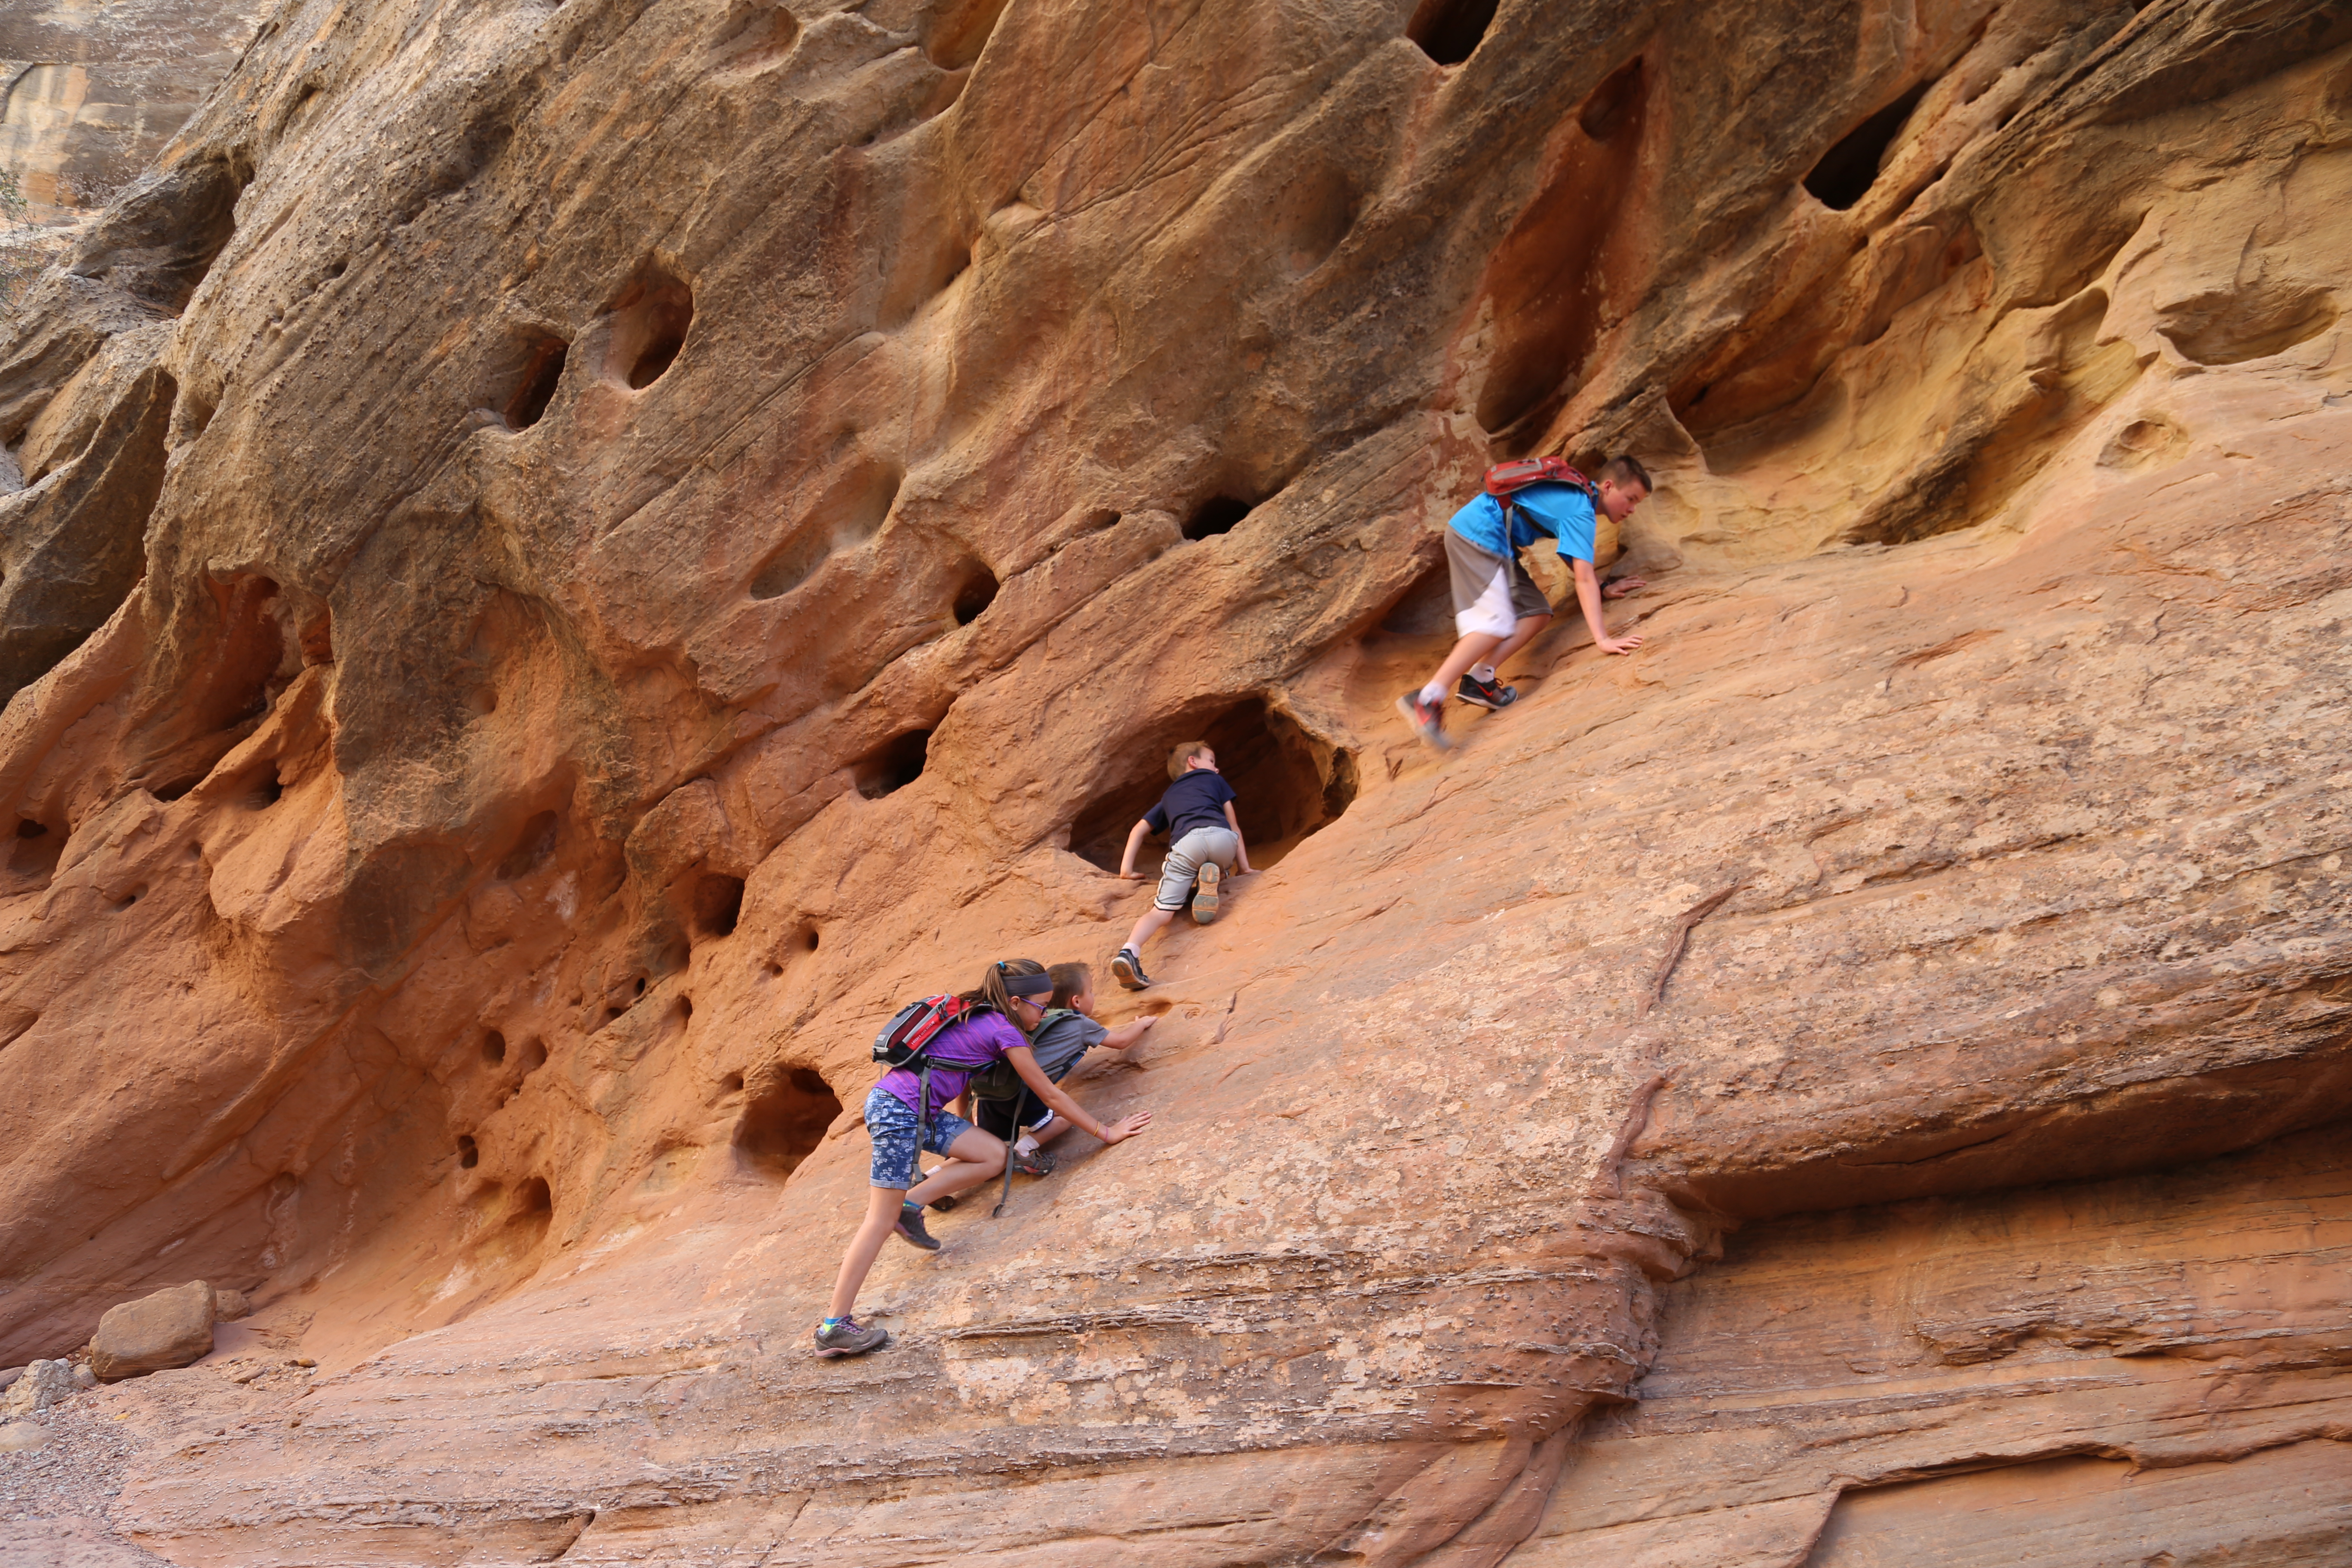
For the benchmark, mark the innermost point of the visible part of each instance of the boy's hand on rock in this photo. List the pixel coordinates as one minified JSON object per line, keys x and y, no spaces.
{"x":1617,"y":644}
{"x":1120,"y":1132}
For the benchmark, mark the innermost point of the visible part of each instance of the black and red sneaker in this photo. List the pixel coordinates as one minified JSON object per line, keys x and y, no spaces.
{"x":1485,"y":693}
{"x":1427,"y":718}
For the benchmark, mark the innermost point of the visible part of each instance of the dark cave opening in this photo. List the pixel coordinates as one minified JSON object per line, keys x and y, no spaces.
{"x":785,"y":1120}
{"x":1848,"y":169}
{"x":1286,"y":792}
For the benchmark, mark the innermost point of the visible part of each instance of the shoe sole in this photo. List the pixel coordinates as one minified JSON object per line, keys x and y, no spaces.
{"x":901,"y":1232}
{"x":1481,"y":702}
{"x":1431,"y":735}
{"x":1125,"y":974}
{"x":1204,"y":894}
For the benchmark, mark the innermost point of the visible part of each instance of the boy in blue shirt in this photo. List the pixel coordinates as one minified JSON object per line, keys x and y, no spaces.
{"x":1205,"y":843}
{"x":1497,"y":609}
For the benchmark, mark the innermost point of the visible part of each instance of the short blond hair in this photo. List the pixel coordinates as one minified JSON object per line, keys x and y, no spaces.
{"x":1184,"y":753}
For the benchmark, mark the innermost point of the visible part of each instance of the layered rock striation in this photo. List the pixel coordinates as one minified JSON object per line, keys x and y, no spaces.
{"x":572,"y":557}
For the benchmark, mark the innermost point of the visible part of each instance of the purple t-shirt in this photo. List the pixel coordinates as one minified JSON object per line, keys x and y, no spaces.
{"x":960,"y":1050}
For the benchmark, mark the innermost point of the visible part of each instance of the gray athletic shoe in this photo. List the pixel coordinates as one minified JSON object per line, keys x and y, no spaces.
{"x":1485,"y":693}
{"x":848,"y":1337}
{"x":910,"y":1228}
{"x":1127,"y":969}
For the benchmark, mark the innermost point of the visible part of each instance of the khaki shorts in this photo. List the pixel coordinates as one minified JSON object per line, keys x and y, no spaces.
{"x":1185,"y":858}
{"x":1491,"y":594}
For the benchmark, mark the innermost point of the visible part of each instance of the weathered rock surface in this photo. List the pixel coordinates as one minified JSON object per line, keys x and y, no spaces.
{"x":90,"y":94}
{"x":45,"y":1383}
{"x":171,"y":1328}
{"x":664,"y":528}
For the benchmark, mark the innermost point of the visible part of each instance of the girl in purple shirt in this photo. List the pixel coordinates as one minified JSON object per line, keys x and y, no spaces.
{"x":1014,"y":993}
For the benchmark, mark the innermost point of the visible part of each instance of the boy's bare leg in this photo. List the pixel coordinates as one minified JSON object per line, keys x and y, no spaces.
{"x":1147,"y":927}
{"x":1526,"y":632}
{"x":1471,"y":647}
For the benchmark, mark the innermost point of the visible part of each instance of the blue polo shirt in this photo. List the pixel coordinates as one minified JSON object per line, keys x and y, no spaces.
{"x":1545,"y":510}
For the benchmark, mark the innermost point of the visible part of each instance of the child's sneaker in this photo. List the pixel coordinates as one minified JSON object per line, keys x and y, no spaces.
{"x":1204,"y":892}
{"x":848,"y":1337}
{"x":1128,"y":970}
{"x":910,"y":1228}
{"x":1032,"y":1161}
{"x":1427,"y":718}
{"x":1485,"y":693}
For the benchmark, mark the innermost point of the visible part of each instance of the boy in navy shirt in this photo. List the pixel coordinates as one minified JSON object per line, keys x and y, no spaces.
{"x":1497,"y":609}
{"x":1205,"y":843}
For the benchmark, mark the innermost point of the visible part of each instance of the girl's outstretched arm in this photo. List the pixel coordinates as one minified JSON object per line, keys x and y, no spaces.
{"x":1024,"y":1062}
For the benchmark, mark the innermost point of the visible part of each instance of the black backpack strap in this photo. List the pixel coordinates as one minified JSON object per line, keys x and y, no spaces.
{"x":1020,"y":1104}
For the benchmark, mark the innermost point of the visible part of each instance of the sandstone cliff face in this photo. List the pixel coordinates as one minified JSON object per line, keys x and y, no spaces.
{"x":573,"y":556}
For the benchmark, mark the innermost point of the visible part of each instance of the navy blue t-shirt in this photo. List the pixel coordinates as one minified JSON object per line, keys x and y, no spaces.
{"x":1196,"y":800}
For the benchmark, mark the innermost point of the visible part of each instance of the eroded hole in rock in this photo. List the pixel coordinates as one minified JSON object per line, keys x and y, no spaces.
{"x":973,"y":595}
{"x":1549,"y":283}
{"x":534,"y":1055}
{"x":1313,"y":212}
{"x":731,"y":1084}
{"x":494,"y":1048}
{"x":1216,"y":515}
{"x":534,"y":1208}
{"x":1449,"y":31}
{"x":266,"y":791}
{"x":891,"y":766}
{"x":542,"y":356}
{"x":2240,"y":325}
{"x":35,"y":850}
{"x":649,"y":318}
{"x":469,"y":1153}
{"x":1289,"y":787}
{"x":854,"y":505}
{"x":1848,"y":169}
{"x":1614,"y":103}
{"x":1425,"y":609}
{"x":785,"y":1120}
{"x":717,"y":904}
{"x":532,"y":847}
{"x":755,"y":34}
{"x":959,"y":30}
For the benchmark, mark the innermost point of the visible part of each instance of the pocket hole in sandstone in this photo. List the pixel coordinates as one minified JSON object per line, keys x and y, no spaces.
{"x":534,"y":1055}
{"x":1449,"y":31}
{"x":1618,"y":96}
{"x":469,"y":1155}
{"x":785,"y":1120}
{"x":531,"y":849}
{"x":650,"y":318}
{"x":717,"y":904}
{"x":960,"y":30}
{"x":1425,"y":609}
{"x":543,"y":355}
{"x":494,"y":1048}
{"x":36,"y":849}
{"x":753,"y":35}
{"x":1290,"y":787}
{"x":1848,"y":169}
{"x":731,"y":1084}
{"x":1216,"y":515}
{"x":975,"y":594}
{"x":857,"y":501}
{"x":131,"y":898}
{"x":890,"y":767}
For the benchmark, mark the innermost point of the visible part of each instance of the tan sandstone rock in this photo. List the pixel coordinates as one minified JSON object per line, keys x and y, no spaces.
{"x":579,"y":555}
{"x":171,"y":1328}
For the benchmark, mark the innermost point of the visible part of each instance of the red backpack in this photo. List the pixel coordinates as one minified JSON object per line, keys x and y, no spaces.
{"x":1517,"y":474}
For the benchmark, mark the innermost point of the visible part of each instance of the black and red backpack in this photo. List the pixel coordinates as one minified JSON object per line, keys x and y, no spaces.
{"x":905,"y":1041}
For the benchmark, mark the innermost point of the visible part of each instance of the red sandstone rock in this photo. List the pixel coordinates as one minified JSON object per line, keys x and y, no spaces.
{"x":171,"y":1328}
{"x":673,"y":529}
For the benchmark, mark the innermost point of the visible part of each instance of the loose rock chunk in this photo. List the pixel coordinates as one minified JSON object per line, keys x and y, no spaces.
{"x":171,"y":1328}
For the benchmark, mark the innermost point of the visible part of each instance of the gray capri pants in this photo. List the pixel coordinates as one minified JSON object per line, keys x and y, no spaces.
{"x":1185,"y":858}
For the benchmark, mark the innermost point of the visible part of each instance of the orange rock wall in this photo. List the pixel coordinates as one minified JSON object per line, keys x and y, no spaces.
{"x":574,"y":556}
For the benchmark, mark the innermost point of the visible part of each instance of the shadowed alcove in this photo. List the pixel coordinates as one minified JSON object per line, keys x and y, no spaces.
{"x":1288,"y":785}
